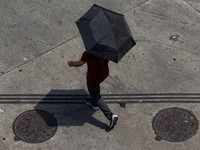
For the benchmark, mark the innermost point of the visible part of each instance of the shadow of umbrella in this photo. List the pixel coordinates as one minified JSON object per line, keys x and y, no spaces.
{"x":57,"y":108}
{"x":72,"y":112}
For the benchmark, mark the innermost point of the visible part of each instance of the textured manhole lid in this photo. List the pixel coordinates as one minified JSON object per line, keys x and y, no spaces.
{"x":35,"y":126}
{"x":175,"y":124}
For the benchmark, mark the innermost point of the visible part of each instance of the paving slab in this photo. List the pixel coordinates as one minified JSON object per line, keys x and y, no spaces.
{"x":134,"y":129}
{"x":31,"y":28}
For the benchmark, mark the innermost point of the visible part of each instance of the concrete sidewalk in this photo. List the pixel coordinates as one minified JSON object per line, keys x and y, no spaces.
{"x":37,"y":38}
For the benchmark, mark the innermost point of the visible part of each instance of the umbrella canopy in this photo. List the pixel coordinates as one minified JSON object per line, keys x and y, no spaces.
{"x":105,"y":33}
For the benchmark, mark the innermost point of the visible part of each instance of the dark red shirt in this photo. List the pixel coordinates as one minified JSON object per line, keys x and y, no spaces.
{"x":98,"y":69}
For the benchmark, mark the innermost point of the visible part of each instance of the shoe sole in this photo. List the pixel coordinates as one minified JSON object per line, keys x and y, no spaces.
{"x":114,"y":122}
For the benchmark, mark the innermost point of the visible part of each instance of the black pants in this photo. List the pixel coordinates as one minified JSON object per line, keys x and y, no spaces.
{"x":94,"y":91}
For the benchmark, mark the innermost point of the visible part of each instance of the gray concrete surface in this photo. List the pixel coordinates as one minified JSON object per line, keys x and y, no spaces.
{"x":37,"y":38}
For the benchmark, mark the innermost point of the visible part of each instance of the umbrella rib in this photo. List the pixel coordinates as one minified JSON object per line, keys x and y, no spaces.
{"x":100,"y":22}
{"x":107,"y":40}
{"x":116,"y":22}
{"x":122,"y":32}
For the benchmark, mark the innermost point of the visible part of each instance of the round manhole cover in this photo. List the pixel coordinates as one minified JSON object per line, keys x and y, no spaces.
{"x":175,"y":124}
{"x":35,"y":126}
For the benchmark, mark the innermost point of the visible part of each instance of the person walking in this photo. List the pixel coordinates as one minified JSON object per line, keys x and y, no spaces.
{"x":97,"y":72}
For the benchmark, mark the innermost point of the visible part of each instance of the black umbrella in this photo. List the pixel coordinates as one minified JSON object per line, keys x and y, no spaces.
{"x":105,"y":33}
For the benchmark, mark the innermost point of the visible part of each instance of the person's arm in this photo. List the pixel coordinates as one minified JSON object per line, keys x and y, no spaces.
{"x":76,"y":63}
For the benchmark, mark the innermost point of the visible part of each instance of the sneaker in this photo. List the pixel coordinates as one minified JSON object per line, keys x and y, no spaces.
{"x":113,"y":121}
{"x":87,"y":101}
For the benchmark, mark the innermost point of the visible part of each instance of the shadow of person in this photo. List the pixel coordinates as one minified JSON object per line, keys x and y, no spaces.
{"x":69,"y":108}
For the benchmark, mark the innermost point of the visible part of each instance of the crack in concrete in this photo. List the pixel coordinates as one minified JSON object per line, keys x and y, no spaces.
{"x":190,"y":6}
{"x":47,"y":72}
{"x":175,"y":70}
{"x":3,"y":145}
{"x":159,"y":42}
{"x":136,"y":6}
{"x":165,"y":18}
{"x":6,"y":72}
